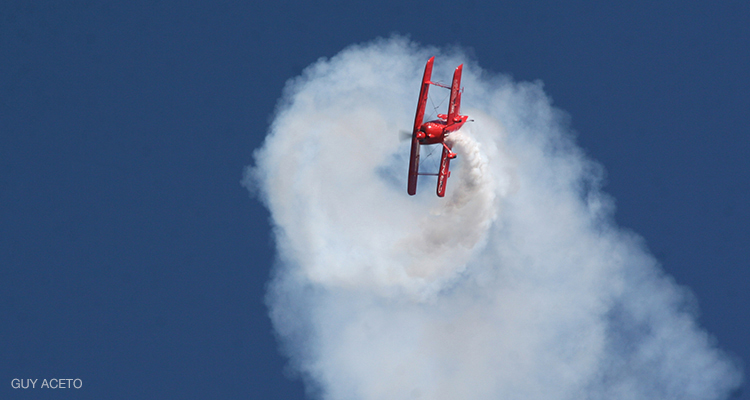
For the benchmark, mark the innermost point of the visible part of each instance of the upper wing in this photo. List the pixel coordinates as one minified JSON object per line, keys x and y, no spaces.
{"x":421,"y":104}
{"x":423,"y":90}
{"x":413,"y":166}
{"x":454,"y":108}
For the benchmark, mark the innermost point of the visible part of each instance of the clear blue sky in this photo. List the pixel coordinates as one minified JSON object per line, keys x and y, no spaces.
{"x":132,"y":258}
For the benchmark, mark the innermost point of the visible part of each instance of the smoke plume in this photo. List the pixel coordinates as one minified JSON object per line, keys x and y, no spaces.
{"x":516,"y":285}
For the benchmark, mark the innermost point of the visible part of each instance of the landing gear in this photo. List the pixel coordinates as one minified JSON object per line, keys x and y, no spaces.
{"x":450,"y":154}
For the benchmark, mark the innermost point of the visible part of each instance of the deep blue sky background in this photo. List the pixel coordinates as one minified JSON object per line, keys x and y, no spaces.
{"x":131,"y":257}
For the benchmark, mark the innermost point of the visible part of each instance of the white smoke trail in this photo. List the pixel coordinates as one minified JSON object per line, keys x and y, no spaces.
{"x":516,"y":285}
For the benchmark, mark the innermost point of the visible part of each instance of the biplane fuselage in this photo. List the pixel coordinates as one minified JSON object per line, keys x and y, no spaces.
{"x":435,"y":131}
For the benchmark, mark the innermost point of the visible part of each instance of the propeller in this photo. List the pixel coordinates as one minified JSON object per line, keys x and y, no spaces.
{"x":404,"y":135}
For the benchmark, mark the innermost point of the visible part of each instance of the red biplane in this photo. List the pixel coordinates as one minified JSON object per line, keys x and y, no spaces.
{"x":435,"y":131}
